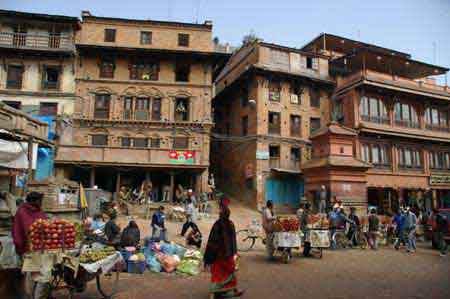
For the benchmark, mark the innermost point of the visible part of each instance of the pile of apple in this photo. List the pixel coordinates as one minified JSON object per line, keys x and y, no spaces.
{"x":48,"y":235}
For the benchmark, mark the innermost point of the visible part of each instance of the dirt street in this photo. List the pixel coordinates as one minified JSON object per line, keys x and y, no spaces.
{"x":340,"y":274}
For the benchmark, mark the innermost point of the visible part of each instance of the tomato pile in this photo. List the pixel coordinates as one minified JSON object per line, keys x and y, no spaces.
{"x":290,"y":224}
{"x":56,"y":234}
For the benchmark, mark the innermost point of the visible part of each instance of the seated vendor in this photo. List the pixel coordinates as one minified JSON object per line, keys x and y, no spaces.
{"x":131,"y":235}
{"x":112,"y":230}
{"x":97,"y":223}
{"x":194,"y":237}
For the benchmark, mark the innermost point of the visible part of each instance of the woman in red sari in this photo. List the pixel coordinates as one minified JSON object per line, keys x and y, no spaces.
{"x":220,"y":253}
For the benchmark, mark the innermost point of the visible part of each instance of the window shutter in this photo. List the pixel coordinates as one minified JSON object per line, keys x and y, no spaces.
{"x":303,"y":62}
{"x":315,"y":63}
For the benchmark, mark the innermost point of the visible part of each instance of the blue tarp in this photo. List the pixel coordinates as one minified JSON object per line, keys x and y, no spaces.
{"x":45,"y":161}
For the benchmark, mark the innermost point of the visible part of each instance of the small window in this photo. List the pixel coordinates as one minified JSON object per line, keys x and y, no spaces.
{"x":13,"y":104}
{"x":99,"y":140}
{"x":183,"y":40}
{"x":309,"y":62}
{"x":141,"y":111}
{"x":274,"y":123}
{"x":274,"y":91}
{"x":14,"y":77}
{"x":245,"y":126}
{"x":296,"y":94}
{"x":50,"y":77}
{"x":182,"y":71}
{"x":128,"y":108}
{"x":180,"y":142}
{"x":126,"y":141}
{"x":146,"y":38}
{"x":295,"y":154}
{"x":48,"y":109}
{"x":107,"y":67}
{"x":156,"y":109}
{"x":274,"y":151}
{"x":140,"y":142}
{"x":155,"y":143}
{"x":182,"y":109}
{"x":295,"y":125}
{"x":314,"y":97}
{"x":110,"y":35}
{"x":314,"y":124}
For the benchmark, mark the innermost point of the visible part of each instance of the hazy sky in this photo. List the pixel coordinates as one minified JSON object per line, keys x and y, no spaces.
{"x":419,"y":27}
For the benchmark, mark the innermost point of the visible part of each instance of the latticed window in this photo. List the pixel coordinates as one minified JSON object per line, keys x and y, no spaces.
{"x":102,"y":102}
{"x":141,"y":70}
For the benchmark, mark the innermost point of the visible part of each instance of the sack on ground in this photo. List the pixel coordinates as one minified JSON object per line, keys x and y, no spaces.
{"x":189,"y":266}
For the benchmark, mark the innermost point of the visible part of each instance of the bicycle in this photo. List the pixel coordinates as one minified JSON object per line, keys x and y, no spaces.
{"x":63,"y":278}
{"x":339,"y":238}
{"x":246,"y":238}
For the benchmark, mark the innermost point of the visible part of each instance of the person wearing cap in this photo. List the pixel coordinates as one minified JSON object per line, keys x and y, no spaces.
{"x":410,"y":229}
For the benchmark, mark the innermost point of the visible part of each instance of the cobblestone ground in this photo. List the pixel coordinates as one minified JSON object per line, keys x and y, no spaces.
{"x":385,"y":273}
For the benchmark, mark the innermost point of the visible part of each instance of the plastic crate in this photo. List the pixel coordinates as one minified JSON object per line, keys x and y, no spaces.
{"x":136,"y":267}
{"x":126,"y":254}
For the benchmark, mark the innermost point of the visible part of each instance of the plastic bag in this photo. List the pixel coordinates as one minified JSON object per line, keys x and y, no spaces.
{"x":189,"y":266}
{"x":168,"y":262}
{"x":180,"y":251}
{"x":153,"y":264}
{"x":168,"y":248}
{"x":193,"y":254}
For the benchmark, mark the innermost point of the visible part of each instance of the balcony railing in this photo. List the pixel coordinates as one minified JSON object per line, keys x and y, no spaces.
{"x":274,"y":162}
{"x":139,"y":115}
{"x":37,"y":41}
{"x":14,"y":84}
{"x":436,"y":128}
{"x":375,"y":119}
{"x":407,"y":123}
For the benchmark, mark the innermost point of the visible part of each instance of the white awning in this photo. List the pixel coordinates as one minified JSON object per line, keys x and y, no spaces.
{"x":14,"y":154}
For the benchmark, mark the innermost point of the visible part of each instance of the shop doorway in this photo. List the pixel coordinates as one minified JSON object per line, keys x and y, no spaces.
{"x":385,"y":200}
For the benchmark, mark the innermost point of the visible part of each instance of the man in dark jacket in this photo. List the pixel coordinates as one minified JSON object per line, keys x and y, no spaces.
{"x":354,"y":226}
{"x":112,"y":230}
{"x":374,"y":223}
{"x":442,"y":223}
{"x":158,"y":225}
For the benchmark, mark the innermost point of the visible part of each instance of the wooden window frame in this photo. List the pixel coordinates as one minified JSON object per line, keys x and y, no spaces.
{"x":187,"y":105}
{"x":380,"y":116}
{"x":144,"y":70}
{"x":48,"y":108}
{"x":182,"y":71}
{"x":136,"y":140}
{"x":274,"y":128}
{"x":122,"y":143}
{"x":93,"y":136}
{"x":406,"y":122}
{"x":14,"y":83}
{"x":429,"y":119}
{"x":98,"y":111}
{"x":402,"y":157}
{"x":274,"y":91}
{"x":46,"y":85}
{"x":183,"y":39}
{"x":311,"y":130}
{"x":149,"y":39}
{"x":314,"y":97}
{"x":107,"y":68}
{"x":110,"y":35}
{"x":294,"y":130}
{"x":177,"y":146}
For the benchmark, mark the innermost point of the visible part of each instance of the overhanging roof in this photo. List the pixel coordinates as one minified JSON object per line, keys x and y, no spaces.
{"x":39,"y":16}
{"x":326,"y":41}
{"x":387,"y":64}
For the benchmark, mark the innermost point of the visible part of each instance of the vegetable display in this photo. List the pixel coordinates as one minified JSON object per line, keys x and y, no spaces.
{"x":50,"y":235}
{"x":94,"y":255}
{"x":290,"y":224}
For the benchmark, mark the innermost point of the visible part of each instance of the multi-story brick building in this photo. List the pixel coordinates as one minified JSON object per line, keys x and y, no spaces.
{"x":37,"y":71}
{"x":269,"y":99}
{"x":400,"y":119}
{"x":144,"y":104}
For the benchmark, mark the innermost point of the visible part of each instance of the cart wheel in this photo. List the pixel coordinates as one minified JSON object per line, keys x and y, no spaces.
{"x":286,"y":256}
{"x":320,"y":253}
{"x":107,"y":284}
{"x":245,"y":242}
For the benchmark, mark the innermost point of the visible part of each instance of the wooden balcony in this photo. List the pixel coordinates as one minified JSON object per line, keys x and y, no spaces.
{"x":396,"y":83}
{"x":36,"y":41}
{"x":145,"y":157}
{"x":21,"y":125}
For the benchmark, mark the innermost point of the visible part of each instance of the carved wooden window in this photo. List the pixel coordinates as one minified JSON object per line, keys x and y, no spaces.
{"x":436,"y":118}
{"x":14,"y":77}
{"x":141,"y":111}
{"x":183,"y":40}
{"x":406,"y":115}
{"x":274,"y":123}
{"x":146,"y":37}
{"x":296,"y":123}
{"x":110,"y":35}
{"x":51,"y":77}
{"x":182,"y":71}
{"x":314,"y":97}
{"x":314,"y":124}
{"x":144,"y":70}
{"x":409,"y":158}
{"x":102,"y":103}
{"x":107,"y":67}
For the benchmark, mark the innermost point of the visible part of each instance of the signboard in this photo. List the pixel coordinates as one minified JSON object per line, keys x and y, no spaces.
{"x":440,"y":180}
{"x":262,"y":155}
{"x":181,"y":157}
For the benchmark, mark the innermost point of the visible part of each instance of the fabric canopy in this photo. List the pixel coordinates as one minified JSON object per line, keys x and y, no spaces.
{"x":14,"y":154}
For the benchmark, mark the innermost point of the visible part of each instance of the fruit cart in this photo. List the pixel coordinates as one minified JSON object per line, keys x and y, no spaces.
{"x":319,"y":239}
{"x":59,"y":268}
{"x":286,"y":237}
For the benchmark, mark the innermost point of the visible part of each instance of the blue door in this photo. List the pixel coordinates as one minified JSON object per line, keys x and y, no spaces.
{"x":284,"y":190}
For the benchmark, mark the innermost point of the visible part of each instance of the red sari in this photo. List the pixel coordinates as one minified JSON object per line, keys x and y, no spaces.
{"x":223,"y":278}
{"x":219,"y":254}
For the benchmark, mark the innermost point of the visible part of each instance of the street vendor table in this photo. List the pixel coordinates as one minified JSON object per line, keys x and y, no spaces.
{"x":284,"y":242}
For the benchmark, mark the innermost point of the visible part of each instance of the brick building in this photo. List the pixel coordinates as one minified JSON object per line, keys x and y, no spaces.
{"x":37,"y":69}
{"x":144,"y":104}
{"x":269,"y":98}
{"x":400,"y":117}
